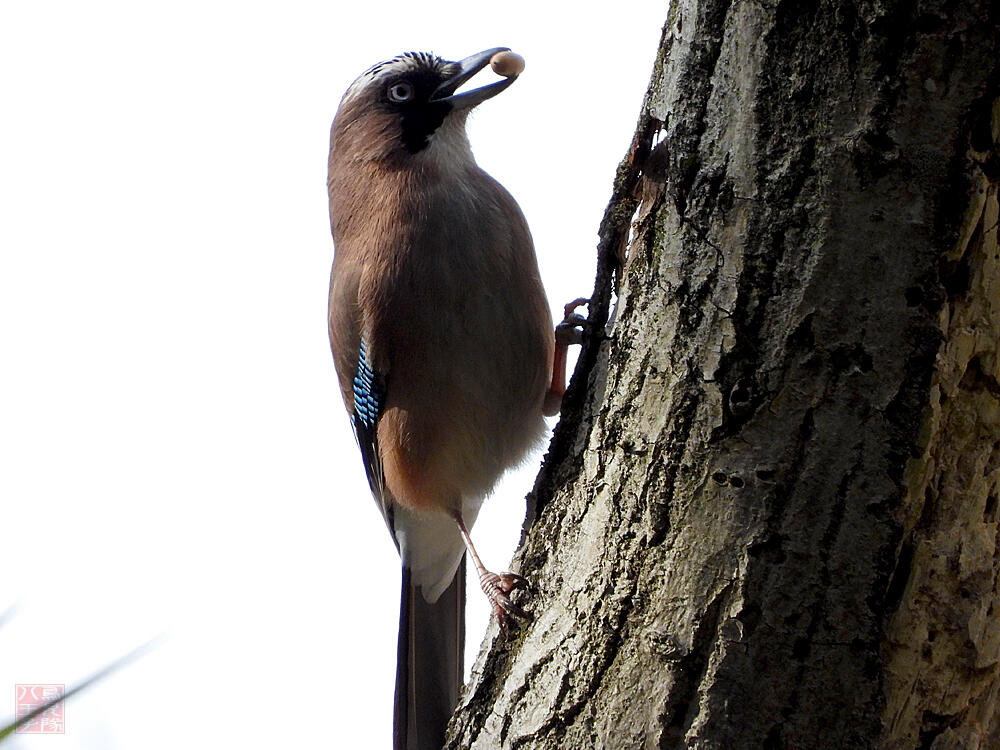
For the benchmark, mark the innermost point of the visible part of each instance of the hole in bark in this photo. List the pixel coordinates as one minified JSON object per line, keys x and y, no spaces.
{"x":990,"y":511}
{"x":720,"y":477}
{"x":914,"y":296}
{"x":801,"y":648}
{"x":955,"y":274}
{"x":972,"y":376}
{"x":736,"y":482}
{"x":979,"y":378}
{"x":931,"y":635}
{"x":740,"y":394}
{"x":932,"y":725}
{"x":765,"y":475}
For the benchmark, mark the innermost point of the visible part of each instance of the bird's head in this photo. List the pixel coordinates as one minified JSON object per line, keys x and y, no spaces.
{"x":409,"y":108}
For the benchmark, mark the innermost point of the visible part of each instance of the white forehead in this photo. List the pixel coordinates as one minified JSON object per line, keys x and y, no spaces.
{"x":399,"y":64}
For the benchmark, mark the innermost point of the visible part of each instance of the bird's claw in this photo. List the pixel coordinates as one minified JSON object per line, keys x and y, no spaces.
{"x":570,"y":330}
{"x":498,"y":588}
{"x":570,"y":307}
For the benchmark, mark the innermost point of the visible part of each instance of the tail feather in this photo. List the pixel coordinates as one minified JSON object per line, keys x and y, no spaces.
{"x":429,"y":664}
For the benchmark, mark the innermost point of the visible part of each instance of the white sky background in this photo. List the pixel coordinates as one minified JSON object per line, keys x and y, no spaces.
{"x":174,"y":455}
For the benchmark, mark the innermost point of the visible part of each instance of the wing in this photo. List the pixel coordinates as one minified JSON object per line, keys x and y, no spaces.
{"x":369,"y":388}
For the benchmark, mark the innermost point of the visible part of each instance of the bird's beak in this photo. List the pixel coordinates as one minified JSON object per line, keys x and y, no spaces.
{"x":465,"y":70}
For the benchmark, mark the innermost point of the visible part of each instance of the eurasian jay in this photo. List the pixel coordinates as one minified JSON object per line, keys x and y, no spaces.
{"x":443,"y":344}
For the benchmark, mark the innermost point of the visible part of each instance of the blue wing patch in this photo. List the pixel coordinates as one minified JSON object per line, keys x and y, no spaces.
{"x":369,"y":397}
{"x":367,"y":393}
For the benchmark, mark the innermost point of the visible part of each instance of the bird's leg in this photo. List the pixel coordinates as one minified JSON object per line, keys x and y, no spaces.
{"x":496,"y":587}
{"x":568,"y":332}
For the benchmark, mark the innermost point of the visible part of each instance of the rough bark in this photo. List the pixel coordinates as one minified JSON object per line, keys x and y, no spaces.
{"x":769,"y":515}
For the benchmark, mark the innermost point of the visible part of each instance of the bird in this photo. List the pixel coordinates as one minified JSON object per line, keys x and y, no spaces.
{"x":443,"y":344}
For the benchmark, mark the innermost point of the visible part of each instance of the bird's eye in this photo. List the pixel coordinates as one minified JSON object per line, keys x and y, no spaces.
{"x":401,"y":92}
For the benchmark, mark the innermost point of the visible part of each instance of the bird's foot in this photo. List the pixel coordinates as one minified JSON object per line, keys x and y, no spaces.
{"x":570,"y":330}
{"x":498,"y":589}
{"x":568,"y":333}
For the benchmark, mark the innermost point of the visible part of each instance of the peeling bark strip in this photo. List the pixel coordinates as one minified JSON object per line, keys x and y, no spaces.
{"x":943,"y":642}
{"x":769,"y":516}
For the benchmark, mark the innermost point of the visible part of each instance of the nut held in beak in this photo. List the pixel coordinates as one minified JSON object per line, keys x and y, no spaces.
{"x":507,"y":63}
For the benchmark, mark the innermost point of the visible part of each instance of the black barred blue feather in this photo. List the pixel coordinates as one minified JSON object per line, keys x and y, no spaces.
{"x":369,"y":395}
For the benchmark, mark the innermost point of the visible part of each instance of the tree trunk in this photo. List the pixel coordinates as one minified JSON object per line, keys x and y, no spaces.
{"x":768,"y":517}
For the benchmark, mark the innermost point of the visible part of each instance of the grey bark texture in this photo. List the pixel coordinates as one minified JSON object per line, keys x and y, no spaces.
{"x":769,"y":515}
